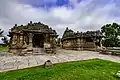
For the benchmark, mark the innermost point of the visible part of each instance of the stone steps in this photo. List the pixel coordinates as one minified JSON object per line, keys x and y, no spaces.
{"x":49,"y":50}
{"x":37,"y":51}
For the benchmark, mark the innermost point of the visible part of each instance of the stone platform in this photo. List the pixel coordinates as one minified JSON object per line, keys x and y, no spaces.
{"x":13,"y":62}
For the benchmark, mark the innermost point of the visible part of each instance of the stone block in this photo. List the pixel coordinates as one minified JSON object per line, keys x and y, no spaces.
{"x":48,"y":64}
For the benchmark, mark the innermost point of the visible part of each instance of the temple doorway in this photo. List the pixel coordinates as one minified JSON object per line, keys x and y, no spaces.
{"x":38,"y":41}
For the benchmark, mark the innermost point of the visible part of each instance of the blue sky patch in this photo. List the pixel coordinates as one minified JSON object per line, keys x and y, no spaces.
{"x":46,"y":3}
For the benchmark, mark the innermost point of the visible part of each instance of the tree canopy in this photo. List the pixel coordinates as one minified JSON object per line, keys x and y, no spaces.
{"x":1,"y":32}
{"x":5,"y":41}
{"x":111,"y":33}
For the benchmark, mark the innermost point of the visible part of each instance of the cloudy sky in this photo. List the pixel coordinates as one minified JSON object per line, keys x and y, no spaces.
{"x":79,"y":15}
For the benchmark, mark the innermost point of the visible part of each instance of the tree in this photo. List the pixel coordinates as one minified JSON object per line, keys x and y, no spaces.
{"x":111,"y":33}
{"x":5,"y":41}
{"x":1,"y":33}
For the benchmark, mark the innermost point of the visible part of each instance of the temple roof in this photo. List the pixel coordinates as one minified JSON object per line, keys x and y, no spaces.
{"x":68,"y":34}
{"x":33,"y":27}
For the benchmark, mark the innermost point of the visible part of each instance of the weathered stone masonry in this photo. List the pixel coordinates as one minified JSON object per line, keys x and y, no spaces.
{"x":23,"y":39}
{"x":89,"y":40}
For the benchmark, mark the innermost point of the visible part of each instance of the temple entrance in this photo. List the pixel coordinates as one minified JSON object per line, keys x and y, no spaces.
{"x":38,"y":41}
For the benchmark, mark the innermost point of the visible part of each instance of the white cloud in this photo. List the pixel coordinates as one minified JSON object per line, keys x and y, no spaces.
{"x":62,"y":13}
{"x":86,"y":15}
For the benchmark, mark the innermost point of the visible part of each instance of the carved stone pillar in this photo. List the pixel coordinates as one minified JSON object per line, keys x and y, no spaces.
{"x":46,"y":38}
{"x":51,"y":41}
{"x":94,"y":40}
{"x":54,"y":42}
{"x":21,"y":39}
{"x":78,"y":44}
{"x":24,"y":42}
{"x":30,"y":46}
{"x":82,"y":43}
{"x":14,"y":39}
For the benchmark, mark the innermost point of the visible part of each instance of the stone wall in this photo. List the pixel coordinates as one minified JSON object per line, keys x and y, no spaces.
{"x":67,"y":44}
{"x":89,"y":45}
{"x":78,"y":44}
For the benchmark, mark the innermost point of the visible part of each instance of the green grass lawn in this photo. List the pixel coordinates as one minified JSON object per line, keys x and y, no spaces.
{"x":81,"y":70}
{"x":3,"y":48}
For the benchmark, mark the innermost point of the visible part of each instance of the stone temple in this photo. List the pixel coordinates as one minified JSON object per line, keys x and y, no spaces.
{"x":32,"y":37}
{"x":90,"y":40}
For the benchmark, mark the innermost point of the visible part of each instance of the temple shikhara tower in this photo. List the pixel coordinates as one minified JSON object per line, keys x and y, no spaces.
{"x":32,"y":38}
{"x":89,"y":40}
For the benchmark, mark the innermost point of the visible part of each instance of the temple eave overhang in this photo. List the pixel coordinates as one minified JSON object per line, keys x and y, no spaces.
{"x":75,"y":37}
{"x":38,"y":31}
